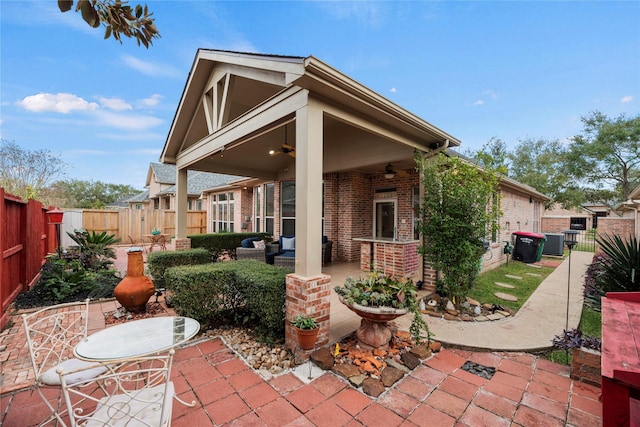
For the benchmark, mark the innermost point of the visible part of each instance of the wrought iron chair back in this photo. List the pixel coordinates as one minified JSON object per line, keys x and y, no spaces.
{"x":132,"y":392}
{"x":52,"y":333}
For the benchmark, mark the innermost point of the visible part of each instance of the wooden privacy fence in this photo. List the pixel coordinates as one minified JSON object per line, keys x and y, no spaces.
{"x":137,"y":222}
{"x":26,"y":238}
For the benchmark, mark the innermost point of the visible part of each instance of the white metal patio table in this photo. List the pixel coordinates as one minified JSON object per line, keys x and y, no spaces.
{"x":137,"y":338}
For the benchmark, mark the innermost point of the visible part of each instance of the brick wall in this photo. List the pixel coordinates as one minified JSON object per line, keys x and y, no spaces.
{"x":555,"y":224}
{"x":182,"y":244}
{"x":307,"y":296}
{"x":354,"y":218}
{"x":393,"y":259}
{"x":623,"y":227}
{"x":585,"y":366}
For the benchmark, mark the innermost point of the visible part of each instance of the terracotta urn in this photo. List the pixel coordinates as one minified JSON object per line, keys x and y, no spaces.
{"x":135,"y":289}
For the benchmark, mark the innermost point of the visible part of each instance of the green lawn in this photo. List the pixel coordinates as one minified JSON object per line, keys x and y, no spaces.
{"x":484,"y":286}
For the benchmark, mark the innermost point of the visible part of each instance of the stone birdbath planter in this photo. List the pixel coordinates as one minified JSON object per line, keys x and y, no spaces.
{"x":373,"y":332}
{"x":378,"y":299}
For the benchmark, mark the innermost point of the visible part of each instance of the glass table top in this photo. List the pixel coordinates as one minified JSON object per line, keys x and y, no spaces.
{"x":137,"y":338}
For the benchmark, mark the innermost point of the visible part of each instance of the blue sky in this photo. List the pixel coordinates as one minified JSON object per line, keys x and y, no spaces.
{"x":513,"y":70}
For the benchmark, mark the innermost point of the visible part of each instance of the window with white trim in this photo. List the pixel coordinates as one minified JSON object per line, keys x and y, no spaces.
{"x":222,"y":212}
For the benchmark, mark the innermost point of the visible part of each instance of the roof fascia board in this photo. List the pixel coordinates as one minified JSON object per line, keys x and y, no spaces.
{"x":292,"y":67}
{"x":331,"y":77}
{"x":272,"y":110}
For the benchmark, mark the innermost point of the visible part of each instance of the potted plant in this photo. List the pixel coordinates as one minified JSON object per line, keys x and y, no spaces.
{"x":378,"y":298}
{"x":306,"y":330}
{"x":155,"y":231}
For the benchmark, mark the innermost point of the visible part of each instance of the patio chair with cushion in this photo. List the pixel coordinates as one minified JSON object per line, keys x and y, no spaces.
{"x":287,"y":249}
{"x":52,"y":333}
{"x":131,"y":392}
{"x":255,"y":248}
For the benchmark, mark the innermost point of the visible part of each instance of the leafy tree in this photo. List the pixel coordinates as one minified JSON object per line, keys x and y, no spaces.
{"x":26,"y":173}
{"x":493,"y":155}
{"x":118,"y":18}
{"x":458,"y":211}
{"x":607,"y":155}
{"x":540,"y":164}
{"x":75,"y":193}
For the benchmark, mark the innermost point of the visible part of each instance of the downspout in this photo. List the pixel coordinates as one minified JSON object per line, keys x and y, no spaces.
{"x":432,"y":153}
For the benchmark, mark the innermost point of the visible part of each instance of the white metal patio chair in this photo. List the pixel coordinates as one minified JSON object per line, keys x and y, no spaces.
{"x":52,"y":333}
{"x":134,"y":392}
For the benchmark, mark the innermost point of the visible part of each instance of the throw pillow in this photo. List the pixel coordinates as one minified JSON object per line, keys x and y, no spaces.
{"x":288,"y":243}
{"x":259,"y":244}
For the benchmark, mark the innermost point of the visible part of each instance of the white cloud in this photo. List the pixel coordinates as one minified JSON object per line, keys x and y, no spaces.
{"x":150,"y":68}
{"x":115,"y":104}
{"x":59,"y":103}
{"x":393,"y":90}
{"x":479,"y":102}
{"x":626,"y":99}
{"x":151,"y":101}
{"x":127,"y":121}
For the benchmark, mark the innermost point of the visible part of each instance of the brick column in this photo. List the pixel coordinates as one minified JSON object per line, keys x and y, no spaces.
{"x":307,"y":296}
{"x":182,"y":244}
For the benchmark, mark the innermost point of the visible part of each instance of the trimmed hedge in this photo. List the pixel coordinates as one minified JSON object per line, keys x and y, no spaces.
{"x":159,"y":261}
{"x":219,"y":243}
{"x":240,"y":292}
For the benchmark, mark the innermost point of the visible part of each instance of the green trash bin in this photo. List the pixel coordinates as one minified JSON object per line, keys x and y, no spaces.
{"x":540,"y":248}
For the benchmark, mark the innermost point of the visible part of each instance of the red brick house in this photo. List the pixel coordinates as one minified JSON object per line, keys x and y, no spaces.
{"x":325,"y":156}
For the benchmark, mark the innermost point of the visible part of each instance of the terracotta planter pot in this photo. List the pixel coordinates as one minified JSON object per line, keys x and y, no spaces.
{"x":307,"y":338}
{"x":135,"y":289}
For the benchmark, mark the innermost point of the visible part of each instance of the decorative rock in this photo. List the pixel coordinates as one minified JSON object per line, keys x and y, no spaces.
{"x":448,"y":316}
{"x":410,"y":360}
{"x":422,"y":305}
{"x":466,"y":318}
{"x":511,"y":276}
{"x":394,"y":364}
{"x":432,"y":303}
{"x":471,"y":301}
{"x":450,"y":306}
{"x":481,"y":319}
{"x":357,"y":380}
{"x":504,"y":285}
{"x":435,"y":346}
{"x":506,"y":297}
{"x":477,"y":310}
{"x":323,"y":358}
{"x":495,"y":316}
{"x":534,"y":274}
{"x":390,"y":376}
{"x":504,"y":313}
{"x":346,"y":370}
{"x":373,"y":387}
{"x":421,"y":351}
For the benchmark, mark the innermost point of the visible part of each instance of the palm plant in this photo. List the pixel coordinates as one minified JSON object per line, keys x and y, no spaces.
{"x":621,"y":268}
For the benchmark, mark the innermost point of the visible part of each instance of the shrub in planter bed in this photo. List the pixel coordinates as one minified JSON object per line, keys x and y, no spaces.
{"x":158,"y":262}
{"x":240,"y":292}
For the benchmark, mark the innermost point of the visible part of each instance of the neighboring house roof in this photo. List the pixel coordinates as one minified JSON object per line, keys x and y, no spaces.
{"x":142,"y":197}
{"x":632,"y":202}
{"x":124,"y":202}
{"x":197,"y":181}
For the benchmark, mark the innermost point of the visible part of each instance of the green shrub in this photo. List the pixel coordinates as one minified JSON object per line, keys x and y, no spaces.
{"x":219,"y":243}
{"x":620,"y":271}
{"x":262,"y":288}
{"x":240,"y":292}
{"x":159,"y":261}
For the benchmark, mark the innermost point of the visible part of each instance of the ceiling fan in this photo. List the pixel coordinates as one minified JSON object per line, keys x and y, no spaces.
{"x":284,"y":148}
{"x":390,"y":172}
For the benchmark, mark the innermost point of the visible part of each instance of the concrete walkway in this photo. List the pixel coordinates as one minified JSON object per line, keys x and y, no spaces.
{"x":533,"y":327}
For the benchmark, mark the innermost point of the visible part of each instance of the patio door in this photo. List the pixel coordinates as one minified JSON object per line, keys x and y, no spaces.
{"x":385,"y":218}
